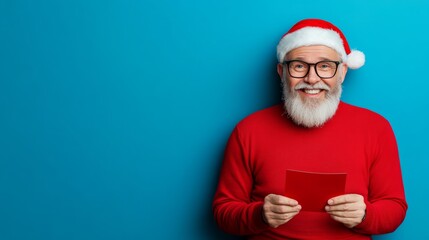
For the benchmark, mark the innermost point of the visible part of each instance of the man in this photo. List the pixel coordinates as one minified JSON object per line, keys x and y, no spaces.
{"x":316,"y":132}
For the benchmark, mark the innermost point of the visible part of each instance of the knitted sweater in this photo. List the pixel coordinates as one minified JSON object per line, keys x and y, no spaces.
{"x":356,"y":141}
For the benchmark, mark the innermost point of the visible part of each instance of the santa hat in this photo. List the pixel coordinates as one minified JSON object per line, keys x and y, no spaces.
{"x":319,"y":32}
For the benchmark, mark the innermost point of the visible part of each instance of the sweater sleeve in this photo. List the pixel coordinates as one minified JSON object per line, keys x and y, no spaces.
{"x":233,"y":209}
{"x":386,"y":205}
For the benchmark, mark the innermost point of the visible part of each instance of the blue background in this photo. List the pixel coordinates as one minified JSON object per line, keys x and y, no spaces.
{"x":114,"y":114}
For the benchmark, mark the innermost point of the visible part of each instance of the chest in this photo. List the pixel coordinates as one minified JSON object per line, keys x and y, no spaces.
{"x":331,"y":152}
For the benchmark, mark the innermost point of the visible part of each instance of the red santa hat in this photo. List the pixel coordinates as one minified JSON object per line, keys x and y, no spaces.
{"x":319,"y":32}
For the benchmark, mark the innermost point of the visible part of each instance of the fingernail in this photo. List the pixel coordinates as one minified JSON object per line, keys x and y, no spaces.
{"x":330,"y":202}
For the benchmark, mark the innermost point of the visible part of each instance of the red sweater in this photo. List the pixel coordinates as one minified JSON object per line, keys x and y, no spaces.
{"x":266,"y":143}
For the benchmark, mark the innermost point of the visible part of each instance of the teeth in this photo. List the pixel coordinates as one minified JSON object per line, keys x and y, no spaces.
{"x":312,"y":91}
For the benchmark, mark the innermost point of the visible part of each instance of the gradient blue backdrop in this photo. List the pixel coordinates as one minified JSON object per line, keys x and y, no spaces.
{"x":114,"y":114}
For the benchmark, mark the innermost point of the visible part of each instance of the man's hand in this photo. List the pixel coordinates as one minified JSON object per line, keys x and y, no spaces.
{"x":348,"y":209}
{"x":278,"y":209}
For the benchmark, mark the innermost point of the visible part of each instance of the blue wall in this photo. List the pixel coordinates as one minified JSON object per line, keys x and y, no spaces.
{"x":114,"y":114}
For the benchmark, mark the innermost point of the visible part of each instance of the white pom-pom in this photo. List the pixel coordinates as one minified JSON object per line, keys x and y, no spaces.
{"x":355,"y":59}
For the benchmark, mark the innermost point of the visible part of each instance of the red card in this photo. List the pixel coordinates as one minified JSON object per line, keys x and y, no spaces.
{"x":312,"y":190}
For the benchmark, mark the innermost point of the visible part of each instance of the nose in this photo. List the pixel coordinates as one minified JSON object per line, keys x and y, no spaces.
{"x":312,"y":77}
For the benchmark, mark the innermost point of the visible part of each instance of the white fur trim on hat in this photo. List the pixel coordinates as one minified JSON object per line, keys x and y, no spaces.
{"x":309,"y":36}
{"x":355,"y":59}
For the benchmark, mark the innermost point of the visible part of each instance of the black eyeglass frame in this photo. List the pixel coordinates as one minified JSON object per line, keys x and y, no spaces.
{"x":337,"y":63}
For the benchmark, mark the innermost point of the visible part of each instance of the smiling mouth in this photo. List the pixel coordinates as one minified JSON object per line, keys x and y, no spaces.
{"x":311,"y":91}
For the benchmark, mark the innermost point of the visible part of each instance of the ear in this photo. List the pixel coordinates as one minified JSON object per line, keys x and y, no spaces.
{"x":280,"y":70}
{"x":344,"y":72}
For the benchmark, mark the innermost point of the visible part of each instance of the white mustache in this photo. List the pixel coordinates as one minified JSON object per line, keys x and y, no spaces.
{"x":319,"y":85}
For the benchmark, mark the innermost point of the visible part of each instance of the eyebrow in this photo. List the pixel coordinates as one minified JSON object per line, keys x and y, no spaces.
{"x":320,"y":59}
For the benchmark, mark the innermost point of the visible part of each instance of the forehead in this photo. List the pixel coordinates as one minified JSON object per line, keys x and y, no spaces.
{"x":313,"y":53}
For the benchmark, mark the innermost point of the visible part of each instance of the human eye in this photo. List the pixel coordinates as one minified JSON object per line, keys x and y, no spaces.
{"x":325,"y":65}
{"x":299,"y":66}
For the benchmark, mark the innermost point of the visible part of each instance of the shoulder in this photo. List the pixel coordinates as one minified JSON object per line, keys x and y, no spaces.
{"x":263,"y":122}
{"x":263,"y":117}
{"x":362,"y":116}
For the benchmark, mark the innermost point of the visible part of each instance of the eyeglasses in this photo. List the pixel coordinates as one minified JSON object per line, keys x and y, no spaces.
{"x":300,"y":69}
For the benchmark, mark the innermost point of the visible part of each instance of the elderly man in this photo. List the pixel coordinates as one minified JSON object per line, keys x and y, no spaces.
{"x":311,"y":131}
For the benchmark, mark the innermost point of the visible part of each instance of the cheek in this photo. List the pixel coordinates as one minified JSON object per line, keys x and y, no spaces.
{"x":292,"y":82}
{"x":332,"y":83}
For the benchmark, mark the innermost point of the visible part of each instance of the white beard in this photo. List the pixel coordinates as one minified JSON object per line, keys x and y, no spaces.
{"x":311,"y":112}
